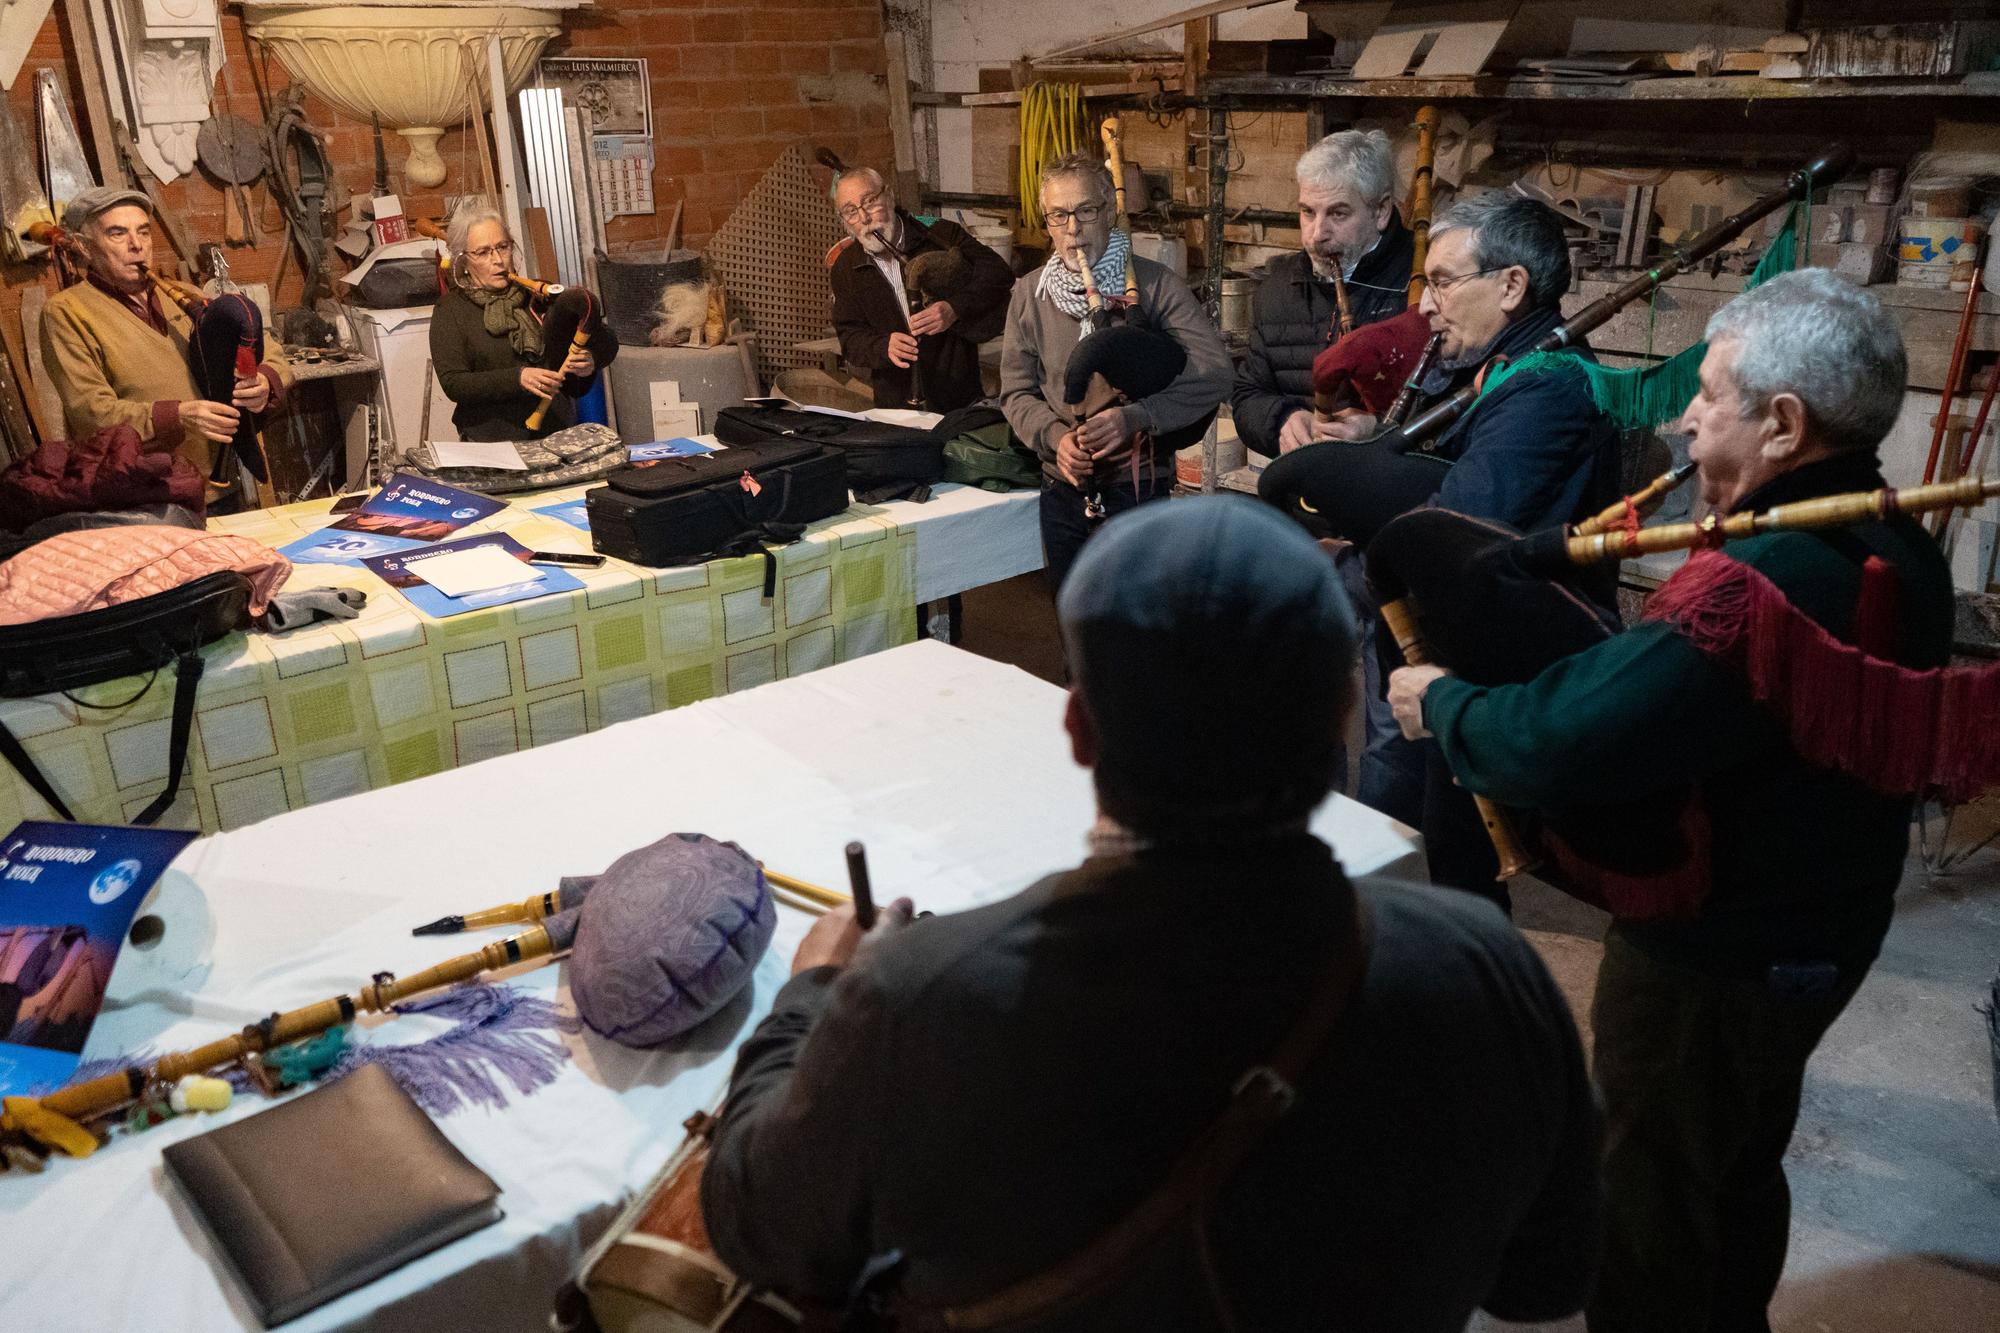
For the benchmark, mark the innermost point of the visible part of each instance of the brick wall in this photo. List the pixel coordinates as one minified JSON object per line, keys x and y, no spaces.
{"x":734,"y":85}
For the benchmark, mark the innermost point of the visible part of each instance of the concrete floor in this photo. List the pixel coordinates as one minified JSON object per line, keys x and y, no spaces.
{"x":1895,"y":1166}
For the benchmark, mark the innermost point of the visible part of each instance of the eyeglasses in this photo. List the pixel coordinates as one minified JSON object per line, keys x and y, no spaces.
{"x":1442,"y":286}
{"x":484,"y":252}
{"x":1060,"y":218}
{"x":867,"y":204}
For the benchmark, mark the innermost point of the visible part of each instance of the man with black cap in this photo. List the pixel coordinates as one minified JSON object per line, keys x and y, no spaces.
{"x":118,"y":355}
{"x":1202,"y":1077}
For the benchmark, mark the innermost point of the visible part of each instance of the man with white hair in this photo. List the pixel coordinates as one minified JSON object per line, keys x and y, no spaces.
{"x":1348,"y":225}
{"x":1744,"y":685}
{"x":904,"y":342}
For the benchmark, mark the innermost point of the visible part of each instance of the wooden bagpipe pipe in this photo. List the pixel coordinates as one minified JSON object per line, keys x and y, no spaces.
{"x":1497,"y":608}
{"x":1353,"y":489}
{"x":570,"y":316}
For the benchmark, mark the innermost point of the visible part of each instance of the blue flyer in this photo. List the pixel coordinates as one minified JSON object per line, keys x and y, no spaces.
{"x":573,"y":512}
{"x":68,"y":893}
{"x":409,"y":512}
{"x":681,"y":447}
{"x":396,"y":571}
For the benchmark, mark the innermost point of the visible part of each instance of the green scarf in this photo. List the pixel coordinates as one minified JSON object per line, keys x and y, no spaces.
{"x":1646,"y":396}
{"x":507,"y":316}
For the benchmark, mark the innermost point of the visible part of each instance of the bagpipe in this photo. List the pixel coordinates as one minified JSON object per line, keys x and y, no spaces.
{"x":934,"y":275}
{"x":1354,"y":489}
{"x":1461,"y":592}
{"x":225,"y":347}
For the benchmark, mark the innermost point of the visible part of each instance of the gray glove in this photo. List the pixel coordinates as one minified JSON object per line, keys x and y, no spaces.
{"x":289,"y":610}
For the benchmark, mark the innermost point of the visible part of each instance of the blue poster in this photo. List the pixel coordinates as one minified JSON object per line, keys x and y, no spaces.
{"x":68,"y":893}
{"x":681,"y":447}
{"x":409,"y":512}
{"x":396,"y":572}
{"x":573,"y":512}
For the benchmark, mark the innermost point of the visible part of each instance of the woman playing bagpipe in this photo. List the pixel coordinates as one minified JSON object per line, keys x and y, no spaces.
{"x":1099,"y":463}
{"x":1733,"y":777}
{"x":511,"y":352}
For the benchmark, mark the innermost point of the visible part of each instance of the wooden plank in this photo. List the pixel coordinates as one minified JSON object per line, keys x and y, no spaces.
{"x":96,"y":111}
{"x":44,"y":404}
{"x":1090,"y":90}
{"x":1723,"y":88}
{"x":902,"y":127}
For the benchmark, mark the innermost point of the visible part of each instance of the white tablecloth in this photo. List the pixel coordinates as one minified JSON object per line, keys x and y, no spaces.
{"x":954,"y":770}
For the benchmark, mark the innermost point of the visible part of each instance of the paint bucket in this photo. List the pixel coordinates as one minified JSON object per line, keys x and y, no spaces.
{"x":1168,"y":250}
{"x":1937,"y":252}
{"x":995,"y":236}
{"x":1237,"y":295}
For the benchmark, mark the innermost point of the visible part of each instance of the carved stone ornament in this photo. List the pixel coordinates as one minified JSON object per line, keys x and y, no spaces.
{"x":172,"y":52}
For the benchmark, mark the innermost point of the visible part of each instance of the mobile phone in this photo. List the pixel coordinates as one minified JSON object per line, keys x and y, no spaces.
{"x":583,"y":558}
{"x":348,"y":503}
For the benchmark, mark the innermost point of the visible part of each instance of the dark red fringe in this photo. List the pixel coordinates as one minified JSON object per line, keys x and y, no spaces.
{"x":1900,"y":731}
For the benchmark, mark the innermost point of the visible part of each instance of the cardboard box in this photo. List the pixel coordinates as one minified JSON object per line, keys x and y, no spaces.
{"x":1862,"y":265}
{"x":1871,"y":224}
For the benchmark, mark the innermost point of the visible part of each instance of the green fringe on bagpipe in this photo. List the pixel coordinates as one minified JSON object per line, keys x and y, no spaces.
{"x":1647,"y":396}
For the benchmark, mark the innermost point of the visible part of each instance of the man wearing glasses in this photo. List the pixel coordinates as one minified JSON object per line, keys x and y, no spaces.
{"x":1347,"y":225}
{"x":1534,"y":452}
{"x":1116,"y":457}
{"x":937,"y":346}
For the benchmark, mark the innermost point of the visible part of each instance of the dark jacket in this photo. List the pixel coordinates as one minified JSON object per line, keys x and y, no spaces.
{"x":866,"y":312}
{"x":1295,"y":317}
{"x":989,"y":1090}
{"x":1804,"y":861}
{"x":479,"y":372}
{"x":1534,"y":452}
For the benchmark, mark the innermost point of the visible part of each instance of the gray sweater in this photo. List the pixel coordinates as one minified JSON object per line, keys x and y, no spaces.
{"x":1040,"y":339}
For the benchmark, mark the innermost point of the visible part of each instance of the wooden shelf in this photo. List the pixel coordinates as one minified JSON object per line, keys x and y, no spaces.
{"x":1665,"y":88}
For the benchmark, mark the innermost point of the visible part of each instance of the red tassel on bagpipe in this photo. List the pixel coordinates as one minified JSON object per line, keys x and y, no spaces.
{"x":1899,"y":730}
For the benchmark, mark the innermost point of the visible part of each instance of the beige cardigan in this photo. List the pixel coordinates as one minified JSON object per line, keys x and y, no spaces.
{"x":109,"y":367}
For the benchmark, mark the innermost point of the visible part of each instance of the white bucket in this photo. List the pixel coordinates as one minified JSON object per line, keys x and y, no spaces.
{"x":1168,"y":250}
{"x":997,"y":237}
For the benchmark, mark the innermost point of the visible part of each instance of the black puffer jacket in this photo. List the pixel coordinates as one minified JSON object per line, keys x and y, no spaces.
{"x":1290,"y":322}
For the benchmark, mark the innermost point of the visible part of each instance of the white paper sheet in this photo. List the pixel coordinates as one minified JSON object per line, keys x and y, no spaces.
{"x":461,"y":573}
{"x":476,"y":453}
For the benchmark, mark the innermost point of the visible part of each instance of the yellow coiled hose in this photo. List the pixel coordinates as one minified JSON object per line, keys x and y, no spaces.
{"x":1052,"y":123}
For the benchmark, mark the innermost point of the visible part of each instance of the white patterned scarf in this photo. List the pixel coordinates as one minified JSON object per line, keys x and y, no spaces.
{"x":1065,"y":288}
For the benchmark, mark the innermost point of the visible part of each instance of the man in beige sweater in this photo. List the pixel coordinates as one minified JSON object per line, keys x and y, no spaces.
{"x":118,"y":355}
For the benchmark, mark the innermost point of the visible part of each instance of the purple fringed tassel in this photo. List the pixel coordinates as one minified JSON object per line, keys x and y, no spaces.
{"x":500,"y":1033}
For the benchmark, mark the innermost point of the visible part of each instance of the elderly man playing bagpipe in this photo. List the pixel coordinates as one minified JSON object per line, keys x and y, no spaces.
{"x":185,"y":380}
{"x":1534,"y":451}
{"x":1172,"y":1089}
{"x":1352,"y":268}
{"x":1110,"y":364}
{"x":1768,"y":726}
{"x":912,"y":303}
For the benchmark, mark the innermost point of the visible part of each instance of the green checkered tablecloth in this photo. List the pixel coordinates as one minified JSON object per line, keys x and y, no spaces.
{"x":285,"y":721}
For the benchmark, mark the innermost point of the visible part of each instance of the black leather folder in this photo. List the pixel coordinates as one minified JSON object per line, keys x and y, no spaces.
{"x":328,"y":1191}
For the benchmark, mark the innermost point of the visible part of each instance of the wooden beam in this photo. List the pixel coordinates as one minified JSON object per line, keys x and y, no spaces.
{"x":902,"y":125}
{"x":96,"y":111}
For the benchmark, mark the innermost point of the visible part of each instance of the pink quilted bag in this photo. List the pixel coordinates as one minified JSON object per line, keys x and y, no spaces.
{"x":74,"y":572}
